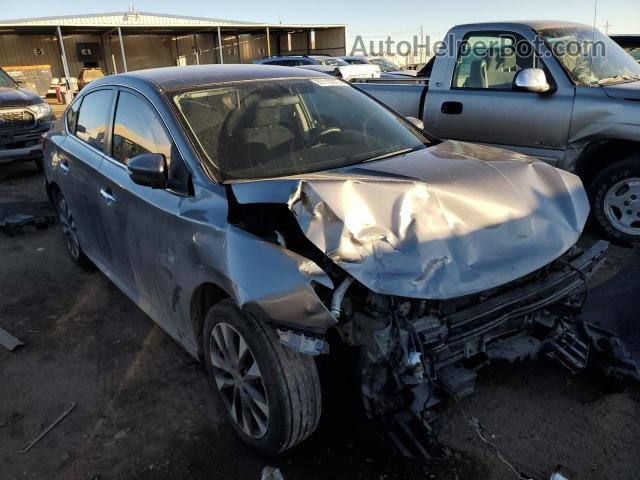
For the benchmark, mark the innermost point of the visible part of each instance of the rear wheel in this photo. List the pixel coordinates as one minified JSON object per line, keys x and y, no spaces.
{"x":270,"y":393}
{"x":615,"y":196}
{"x":70,"y":232}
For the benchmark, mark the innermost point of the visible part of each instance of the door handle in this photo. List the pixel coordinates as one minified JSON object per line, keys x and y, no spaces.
{"x":451,"y":108}
{"x":64,"y":166}
{"x":108,"y":196}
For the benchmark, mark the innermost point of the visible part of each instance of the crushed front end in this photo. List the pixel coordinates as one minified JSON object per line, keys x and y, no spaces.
{"x":416,"y":353}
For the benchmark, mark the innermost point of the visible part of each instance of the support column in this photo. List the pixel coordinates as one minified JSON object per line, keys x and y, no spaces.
{"x":268,"y":43}
{"x":124,"y":58}
{"x":238,"y":47}
{"x":220,"y":46}
{"x":68,"y":94}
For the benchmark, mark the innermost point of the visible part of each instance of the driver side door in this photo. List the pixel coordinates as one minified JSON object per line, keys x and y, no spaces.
{"x":481,"y":106}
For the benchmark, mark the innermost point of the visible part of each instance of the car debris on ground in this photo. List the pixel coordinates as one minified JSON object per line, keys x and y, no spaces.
{"x":58,"y":419}
{"x":12,"y":225}
{"x":8,"y":341}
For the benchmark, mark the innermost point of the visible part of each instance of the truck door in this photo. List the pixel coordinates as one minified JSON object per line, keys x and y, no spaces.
{"x":480,"y":105}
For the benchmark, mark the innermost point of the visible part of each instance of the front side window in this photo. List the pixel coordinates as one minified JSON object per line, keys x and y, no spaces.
{"x":589,"y":57}
{"x":491,"y":61}
{"x":93,"y":118}
{"x":137,"y":130}
{"x":72,"y":116}
{"x":281,"y":127}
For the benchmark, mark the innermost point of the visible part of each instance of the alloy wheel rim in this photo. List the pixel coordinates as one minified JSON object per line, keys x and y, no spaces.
{"x":622,"y":206}
{"x":239,"y":380}
{"x":69,"y":229}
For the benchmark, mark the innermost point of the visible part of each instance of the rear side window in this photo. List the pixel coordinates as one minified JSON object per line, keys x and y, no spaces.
{"x":93,"y":118}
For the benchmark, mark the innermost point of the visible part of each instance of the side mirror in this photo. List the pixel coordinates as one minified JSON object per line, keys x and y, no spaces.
{"x":149,"y":170}
{"x":416,"y":121}
{"x":531,"y":80}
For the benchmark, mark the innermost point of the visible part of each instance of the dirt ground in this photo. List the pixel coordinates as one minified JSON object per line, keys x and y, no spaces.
{"x":144,"y":409}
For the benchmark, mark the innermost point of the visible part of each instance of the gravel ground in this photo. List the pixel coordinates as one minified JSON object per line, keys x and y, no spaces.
{"x":144,"y":409}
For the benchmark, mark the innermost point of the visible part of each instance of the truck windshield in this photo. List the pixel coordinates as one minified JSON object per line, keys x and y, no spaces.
{"x":590,"y":58}
{"x":6,"y":81}
{"x":273,"y":128}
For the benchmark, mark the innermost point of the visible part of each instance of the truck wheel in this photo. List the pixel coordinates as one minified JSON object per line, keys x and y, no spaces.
{"x":615,"y":198}
{"x":271,"y":394}
{"x":70,"y":232}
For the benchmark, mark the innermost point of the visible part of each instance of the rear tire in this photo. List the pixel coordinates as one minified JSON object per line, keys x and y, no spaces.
{"x":69,"y":230}
{"x":615,"y":200}
{"x":260,"y":375}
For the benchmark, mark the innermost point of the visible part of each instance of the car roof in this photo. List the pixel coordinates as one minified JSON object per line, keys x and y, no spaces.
{"x":534,"y":24}
{"x":179,"y":78}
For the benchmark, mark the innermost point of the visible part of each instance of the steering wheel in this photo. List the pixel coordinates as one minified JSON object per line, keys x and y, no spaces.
{"x":583,"y":72}
{"x":323,"y":133}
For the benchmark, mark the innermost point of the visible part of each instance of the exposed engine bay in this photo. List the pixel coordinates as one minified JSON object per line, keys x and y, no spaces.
{"x":416,"y":354}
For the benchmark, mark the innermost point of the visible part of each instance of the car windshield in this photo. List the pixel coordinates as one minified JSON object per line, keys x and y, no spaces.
{"x":590,"y":57}
{"x":332,"y":62}
{"x":5,"y":80}
{"x":273,"y":128}
{"x":384,"y":64}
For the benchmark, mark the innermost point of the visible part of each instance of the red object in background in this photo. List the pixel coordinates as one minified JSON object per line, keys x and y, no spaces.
{"x":59,"y":94}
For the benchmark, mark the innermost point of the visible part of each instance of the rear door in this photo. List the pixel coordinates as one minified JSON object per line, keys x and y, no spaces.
{"x":79,"y":161}
{"x":144,"y":224}
{"x":479,"y":104}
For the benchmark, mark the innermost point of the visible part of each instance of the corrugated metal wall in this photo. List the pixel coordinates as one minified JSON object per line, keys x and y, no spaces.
{"x":330,"y":41}
{"x":44,"y":50}
{"x":148,"y":51}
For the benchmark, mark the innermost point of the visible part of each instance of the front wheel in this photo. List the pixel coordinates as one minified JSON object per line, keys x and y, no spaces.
{"x":615,"y":198}
{"x":270,"y":393}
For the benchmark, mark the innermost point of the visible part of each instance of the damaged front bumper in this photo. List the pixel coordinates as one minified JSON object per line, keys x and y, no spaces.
{"x":412,"y":363}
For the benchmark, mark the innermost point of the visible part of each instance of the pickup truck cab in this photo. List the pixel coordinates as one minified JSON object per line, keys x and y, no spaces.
{"x":24,"y":117}
{"x":558,"y":91}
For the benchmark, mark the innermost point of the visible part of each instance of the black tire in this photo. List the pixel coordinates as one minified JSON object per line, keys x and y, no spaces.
{"x":289,"y":378}
{"x":39,"y":164}
{"x":600,"y":187}
{"x":73,"y":245}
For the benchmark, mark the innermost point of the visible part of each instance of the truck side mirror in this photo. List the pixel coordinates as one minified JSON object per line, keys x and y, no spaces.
{"x":531,"y":80}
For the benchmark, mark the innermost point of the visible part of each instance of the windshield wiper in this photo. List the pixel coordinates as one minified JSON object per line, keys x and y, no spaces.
{"x":390,"y":154}
{"x":619,"y":79}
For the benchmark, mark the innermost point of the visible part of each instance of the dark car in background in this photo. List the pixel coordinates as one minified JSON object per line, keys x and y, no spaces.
{"x":24,"y":117}
{"x":264,"y":215}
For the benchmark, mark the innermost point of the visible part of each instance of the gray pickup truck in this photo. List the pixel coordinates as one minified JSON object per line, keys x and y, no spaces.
{"x":558,"y":91}
{"x":24,"y":117}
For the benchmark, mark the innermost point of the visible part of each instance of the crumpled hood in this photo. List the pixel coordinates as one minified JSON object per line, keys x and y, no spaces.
{"x":440,"y":223}
{"x":624,"y":91}
{"x":18,"y":97}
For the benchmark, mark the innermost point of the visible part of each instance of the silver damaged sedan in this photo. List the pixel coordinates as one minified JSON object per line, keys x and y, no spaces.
{"x":262,"y":214}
